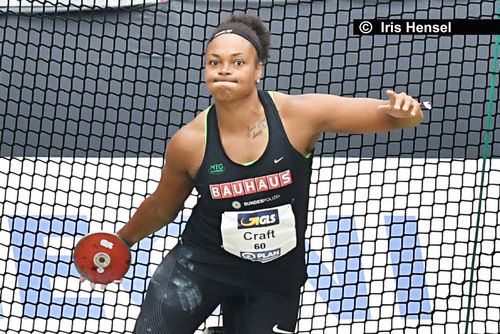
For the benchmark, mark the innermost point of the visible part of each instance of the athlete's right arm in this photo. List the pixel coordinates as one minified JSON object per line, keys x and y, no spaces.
{"x":163,"y":205}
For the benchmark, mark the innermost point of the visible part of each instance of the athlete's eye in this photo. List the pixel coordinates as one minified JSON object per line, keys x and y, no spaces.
{"x":213,"y":62}
{"x":238,"y":62}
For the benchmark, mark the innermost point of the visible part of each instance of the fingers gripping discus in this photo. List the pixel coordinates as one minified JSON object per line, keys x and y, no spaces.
{"x":102,"y":257}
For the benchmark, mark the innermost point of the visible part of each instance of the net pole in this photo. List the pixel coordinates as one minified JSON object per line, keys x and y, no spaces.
{"x":487,"y":139}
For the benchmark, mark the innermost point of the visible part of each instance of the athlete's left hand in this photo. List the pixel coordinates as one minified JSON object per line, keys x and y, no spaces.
{"x":401,"y":105}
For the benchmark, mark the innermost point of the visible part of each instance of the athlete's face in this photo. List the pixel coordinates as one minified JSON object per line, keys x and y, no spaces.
{"x":231,"y":67}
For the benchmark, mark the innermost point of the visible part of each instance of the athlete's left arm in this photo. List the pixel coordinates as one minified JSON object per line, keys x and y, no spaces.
{"x":333,"y":113}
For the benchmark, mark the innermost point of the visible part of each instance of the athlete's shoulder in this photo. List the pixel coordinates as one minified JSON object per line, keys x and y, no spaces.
{"x":192,"y":132}
{"x":187,"y":146}
{"x":295,"y":114}
{"x":296,"y":105}
{"x":286,"y":103}
{"x":278,"y":98}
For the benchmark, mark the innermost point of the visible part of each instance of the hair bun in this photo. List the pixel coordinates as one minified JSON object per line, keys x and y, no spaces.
{"x":253,"y":25}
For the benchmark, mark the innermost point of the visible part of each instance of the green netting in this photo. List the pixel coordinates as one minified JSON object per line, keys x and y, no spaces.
{"x":90,"y":96}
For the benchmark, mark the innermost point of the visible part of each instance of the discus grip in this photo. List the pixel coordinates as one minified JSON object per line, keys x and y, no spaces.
{"x":102,"y":257}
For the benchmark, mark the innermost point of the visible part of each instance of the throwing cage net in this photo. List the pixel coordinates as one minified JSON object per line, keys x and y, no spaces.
{"x":402,"y":234}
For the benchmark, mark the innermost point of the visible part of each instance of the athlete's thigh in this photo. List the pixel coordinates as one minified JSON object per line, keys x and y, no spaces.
{"x":177,"y":300}
{"x":261,"y":312}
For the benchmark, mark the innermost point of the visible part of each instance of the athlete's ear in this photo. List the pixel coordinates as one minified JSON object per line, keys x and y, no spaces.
{"x":259,"y":73}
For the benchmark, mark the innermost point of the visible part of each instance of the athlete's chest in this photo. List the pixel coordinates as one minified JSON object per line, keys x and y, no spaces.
{"x":246,"y":146}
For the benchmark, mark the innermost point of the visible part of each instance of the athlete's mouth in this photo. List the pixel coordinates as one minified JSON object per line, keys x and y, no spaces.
{"x":225,"y":80}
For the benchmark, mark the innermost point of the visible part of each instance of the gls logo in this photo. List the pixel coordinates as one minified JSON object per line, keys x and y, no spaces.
{"x":256,"y":219}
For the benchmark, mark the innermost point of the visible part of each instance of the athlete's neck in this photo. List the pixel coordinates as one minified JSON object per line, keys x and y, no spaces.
{"x":239,"y":115}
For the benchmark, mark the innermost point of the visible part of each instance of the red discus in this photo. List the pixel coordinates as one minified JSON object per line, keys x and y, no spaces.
{"x":102,"y":258}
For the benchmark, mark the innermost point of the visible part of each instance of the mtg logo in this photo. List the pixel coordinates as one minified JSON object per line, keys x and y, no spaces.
{"x":257,"y":219}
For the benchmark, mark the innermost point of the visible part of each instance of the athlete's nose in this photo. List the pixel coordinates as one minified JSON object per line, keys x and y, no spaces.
{"x":224,"y":69}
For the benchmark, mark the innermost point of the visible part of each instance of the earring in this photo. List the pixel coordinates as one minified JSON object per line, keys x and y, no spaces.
{"x":258,"y":80}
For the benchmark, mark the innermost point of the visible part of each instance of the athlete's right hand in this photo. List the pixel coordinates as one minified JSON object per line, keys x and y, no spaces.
{"x":101,"y":258}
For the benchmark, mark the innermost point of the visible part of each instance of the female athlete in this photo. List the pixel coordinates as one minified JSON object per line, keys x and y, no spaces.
{"x":249,"y":157}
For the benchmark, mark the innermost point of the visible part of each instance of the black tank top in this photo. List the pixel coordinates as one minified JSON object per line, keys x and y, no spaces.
{"x":224,"y":185}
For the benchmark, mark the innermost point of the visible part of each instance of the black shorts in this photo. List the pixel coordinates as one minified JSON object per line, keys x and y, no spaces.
{"x":178,"y":301}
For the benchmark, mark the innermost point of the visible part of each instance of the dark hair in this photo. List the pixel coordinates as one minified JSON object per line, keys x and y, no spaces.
{"x":249,"y":27}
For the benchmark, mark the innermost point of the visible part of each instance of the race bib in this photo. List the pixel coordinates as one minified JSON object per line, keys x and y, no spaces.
{"x":260,"y":235}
